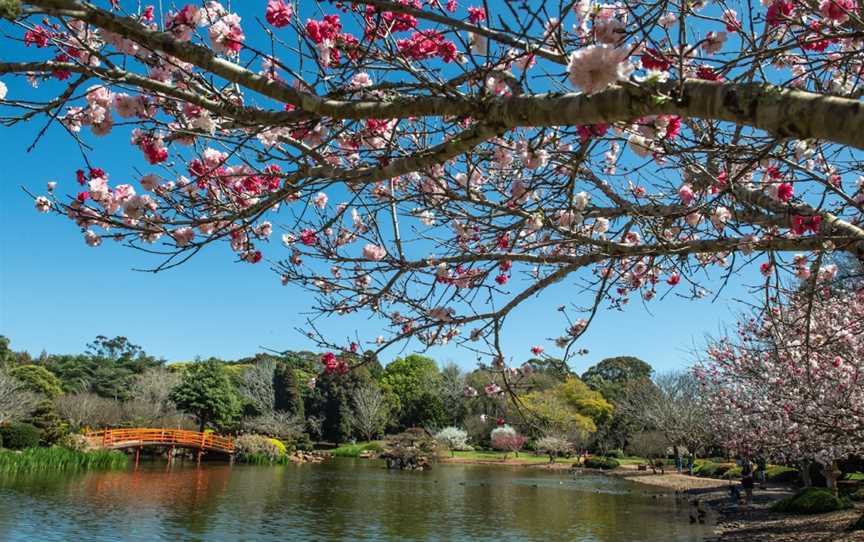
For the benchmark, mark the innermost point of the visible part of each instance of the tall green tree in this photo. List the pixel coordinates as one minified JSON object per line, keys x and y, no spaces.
{"x":416,"y":382}
{"x":38,"y":379}
{"x":206,"y":392}
{"x":613,"y":377}
{"x":286,"y":389}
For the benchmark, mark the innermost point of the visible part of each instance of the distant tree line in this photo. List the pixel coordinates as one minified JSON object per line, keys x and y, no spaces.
{"x":615,"y":405}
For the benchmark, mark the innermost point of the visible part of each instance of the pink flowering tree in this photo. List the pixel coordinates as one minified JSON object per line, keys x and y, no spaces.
{"x":436,"y":164}
{"x":789,"y":384}
{"x":507,"y":439}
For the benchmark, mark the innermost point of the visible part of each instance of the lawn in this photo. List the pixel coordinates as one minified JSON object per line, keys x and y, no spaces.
{"x":489,"y":455}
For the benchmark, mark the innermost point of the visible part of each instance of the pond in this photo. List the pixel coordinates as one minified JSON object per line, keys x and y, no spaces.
{"x":344,"y":499}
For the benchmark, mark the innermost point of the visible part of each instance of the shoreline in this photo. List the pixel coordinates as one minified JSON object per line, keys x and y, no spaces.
{"x":731,"y":524}
{"x":756,"y":523}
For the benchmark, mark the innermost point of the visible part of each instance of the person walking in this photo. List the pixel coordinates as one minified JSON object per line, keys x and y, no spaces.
{"x":747,"y":482}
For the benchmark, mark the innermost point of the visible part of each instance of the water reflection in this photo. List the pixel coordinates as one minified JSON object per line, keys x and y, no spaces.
{"x":340,"y":500}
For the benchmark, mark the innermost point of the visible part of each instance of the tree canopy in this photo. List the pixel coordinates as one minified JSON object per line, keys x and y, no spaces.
{"x":206,"y":393}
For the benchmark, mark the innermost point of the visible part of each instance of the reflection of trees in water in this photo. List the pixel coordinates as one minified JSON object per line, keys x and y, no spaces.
{"x":183,"y":497}
{"x":341,"y":500}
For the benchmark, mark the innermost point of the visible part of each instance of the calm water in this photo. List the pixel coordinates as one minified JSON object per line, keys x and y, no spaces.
{"x":341,"y":500}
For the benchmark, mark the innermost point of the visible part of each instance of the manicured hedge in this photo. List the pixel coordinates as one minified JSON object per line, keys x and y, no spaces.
{"x":18,"y":436}
{"x":813,"y":500}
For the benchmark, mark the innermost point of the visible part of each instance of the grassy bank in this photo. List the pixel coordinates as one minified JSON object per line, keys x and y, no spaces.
{"x":59,"y":459}
{"x":354,"y":450}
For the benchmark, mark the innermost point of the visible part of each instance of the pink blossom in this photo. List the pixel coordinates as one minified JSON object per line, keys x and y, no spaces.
{"x":596,"y":67}
{"x":279,"y":13}
{"x":837,"y":10}
{"x":43,"y":204}
{"x":374,"y":252}
{"x":714,"y":42}
{"x":492,"y":389}
{"x":536,"y":350}
{"x":785,"y":191}
{"x":308,"y":237}
{"x":92,"y":239}
{"x":778,"y":12}
{"x":183,"y":236}
{"x":320,"y":200}
{"x":476,"y":15}
{"x":361,"y":80}
{"x":685,"y":192}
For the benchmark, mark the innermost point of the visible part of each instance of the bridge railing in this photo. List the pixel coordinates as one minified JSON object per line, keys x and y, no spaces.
{"x":146,"y":435}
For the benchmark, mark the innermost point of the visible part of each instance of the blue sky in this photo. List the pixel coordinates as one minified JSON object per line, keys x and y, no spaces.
{"x":56,"y":293}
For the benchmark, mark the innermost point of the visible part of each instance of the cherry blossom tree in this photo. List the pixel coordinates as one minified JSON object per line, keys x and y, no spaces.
{"x":437,"y":164}
{"x":507,"y":439}
{"x":790,"y":383}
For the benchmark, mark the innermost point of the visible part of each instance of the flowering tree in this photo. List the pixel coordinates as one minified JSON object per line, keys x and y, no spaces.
{"x":507,"y":439}
{"x":438,"y":164}
{"x":453,"y":438}
{"x":790,"y":383}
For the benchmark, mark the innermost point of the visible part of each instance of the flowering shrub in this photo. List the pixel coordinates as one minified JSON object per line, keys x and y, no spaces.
{"x":258,"y":448}
{"x":453,"y":438}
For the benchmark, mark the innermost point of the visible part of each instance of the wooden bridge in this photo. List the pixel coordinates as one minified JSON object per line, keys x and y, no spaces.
{"x":116,"y":439}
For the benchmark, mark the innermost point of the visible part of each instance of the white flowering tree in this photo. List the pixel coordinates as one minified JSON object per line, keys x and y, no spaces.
{"x":789,"y":384}
{"x":453,"y":438}
{"x":437,"y":163}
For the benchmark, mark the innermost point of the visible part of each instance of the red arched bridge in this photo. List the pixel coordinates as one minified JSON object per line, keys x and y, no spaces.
{"x":116,"y":439}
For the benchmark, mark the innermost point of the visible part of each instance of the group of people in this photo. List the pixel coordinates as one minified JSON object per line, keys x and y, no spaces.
{"x":684,"y":464}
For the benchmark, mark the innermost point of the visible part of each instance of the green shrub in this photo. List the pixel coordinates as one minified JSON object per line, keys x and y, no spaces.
{"x":781,"y":475}
{"x":723,"y":468}
{"x":857,"y":495}
{"x":303,"y":442}
{"x":732,"y":474}
{"x":605,"y":463}
{"x":617,"y":454}
{"x":18,"y":436}
{"x":706,"y":468}
{"x":813,"y":500}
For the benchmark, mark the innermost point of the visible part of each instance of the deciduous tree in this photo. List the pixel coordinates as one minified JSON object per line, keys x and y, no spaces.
{"x":437,"y":165}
